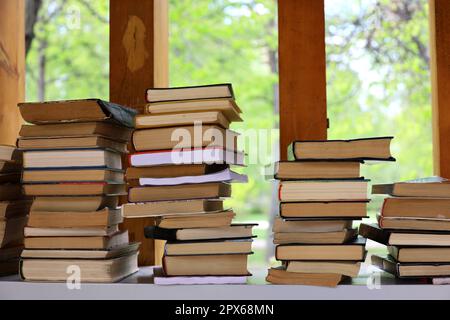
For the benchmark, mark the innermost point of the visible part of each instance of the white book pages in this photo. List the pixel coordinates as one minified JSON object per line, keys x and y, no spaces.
{"x":222,"y":176}
{"x":183,"y":156}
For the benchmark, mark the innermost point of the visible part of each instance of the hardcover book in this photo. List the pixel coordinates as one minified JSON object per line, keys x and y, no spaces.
{"x":76,"y":111}
{"x":354,"y":149}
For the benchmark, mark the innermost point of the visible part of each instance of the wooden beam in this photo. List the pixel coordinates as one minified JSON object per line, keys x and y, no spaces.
{"x":440,"y":75}
{"x":12,"y":68}
{"x":302,"y":71}
{"x":138,"y":60}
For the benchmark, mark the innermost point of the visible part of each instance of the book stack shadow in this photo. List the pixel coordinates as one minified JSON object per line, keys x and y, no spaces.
{"x":73,"y":170}
{"x":321,"y":194}
{"x":14,"y":208}
{"x":414,"y":224}
{"x":180,"y":176}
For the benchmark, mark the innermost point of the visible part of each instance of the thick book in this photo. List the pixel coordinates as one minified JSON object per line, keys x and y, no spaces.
{"x":420,"y":254}
{"x":9,"y":153}
{"x":76,"y":111}
{"x":225,"y":105}
{"x":327,"y":190}
{"x":203,"y":220}
{"x":308,"y":225}
{"x":208,"y":155}
{"x":75,"y":203}
{"x":74,"y":189}
{"x":183,"y":248}
{"x":336,"y":209}
{"x":180,"y":192}
{"x":88,"y":158}
{"x":222,"y":90}
{"x":234,"y":231}
{"x":10,"y":209}
{"x":349,"y":269}
{"x":92,"y":270}
{"x":333,"y":237}
{"x":11,"y":231}
{"x":148,"y":121}
{"x":317,"y":170}
{"x":412,"y":223}
{"x":416,"y":207}
{"x":82,"y":142}
{"x":404,"y":237}
{"x":67,"y":219}
{"x":226,"y":175}
{"x":411,"y":270}
{"x":69,"y":130}
{"x":172,"y":171}
{"x":184,"y":137}
{"x":354,"y":251}
{"x":98,"y":242}
{"x":354,"y":149}
{"x":73,"y":175}
{"x":279,"y":275}
{"x":159,"y":208}
{"x":81,"y":254}
{"x":206,"y":265}
{"x":436,"y":187}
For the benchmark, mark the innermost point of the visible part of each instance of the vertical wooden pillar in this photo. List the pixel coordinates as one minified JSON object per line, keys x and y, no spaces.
{"x":138,"y":60}
{"x":440,"y":75}
{"x":12,"y":68}
{"x":302,"y":69}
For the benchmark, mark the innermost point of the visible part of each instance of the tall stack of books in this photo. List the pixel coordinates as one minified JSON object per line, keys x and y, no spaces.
{"x":321,"y":193}
{"x":73,"y":169}
{"x":13,"y":209}
{"x":180,"y":175}
{"x":414,"y":224}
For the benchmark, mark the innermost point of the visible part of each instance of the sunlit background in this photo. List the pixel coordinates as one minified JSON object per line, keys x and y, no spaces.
{"x":377,"y":70}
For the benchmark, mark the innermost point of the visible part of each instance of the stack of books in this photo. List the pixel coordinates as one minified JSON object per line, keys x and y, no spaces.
{"x":414,"y":224}
{"x":180,"y":175}
{"x":73,"y":169}
{"x":13,"y":210}
{"x":321,"y":193}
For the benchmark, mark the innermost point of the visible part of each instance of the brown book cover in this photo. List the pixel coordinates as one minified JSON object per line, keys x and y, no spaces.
{"x":212,"y":91}
{"x":68,"y":130}
{"x":66,"y":219}
{"x":354,"y":149}
{"x":180,"y":192}
{"x":436,"y":187}
{"x":76,"y":111}
{"x":281,"y":276}
{"x":74,"y":189}
{"x":81,"y":142}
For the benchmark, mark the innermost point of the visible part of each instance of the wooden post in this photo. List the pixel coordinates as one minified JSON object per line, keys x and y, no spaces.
{"x":440,"y":75}
{"x":138,"y":60}
{"x":302,"y":70}
{"x":12,"y":68}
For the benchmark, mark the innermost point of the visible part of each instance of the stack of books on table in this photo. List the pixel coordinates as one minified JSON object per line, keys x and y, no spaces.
{"x":180,"y":175}
{"x":414,"y":224}
{"x":73,"y":169}
{"x":13,"y":210}
{"x":321,"y":193}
